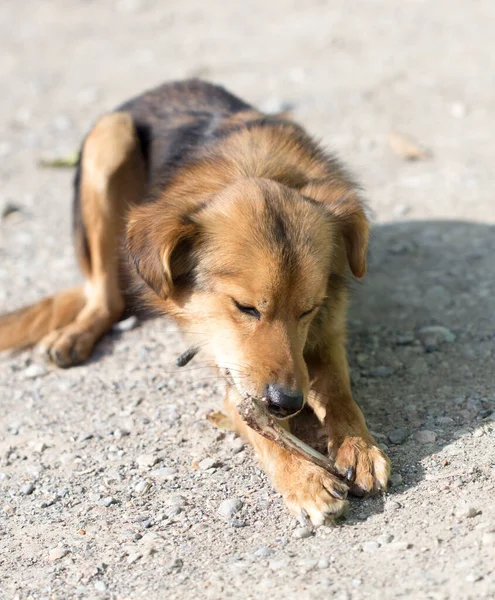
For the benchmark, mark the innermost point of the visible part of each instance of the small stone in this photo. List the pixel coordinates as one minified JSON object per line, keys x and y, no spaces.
{"x":405,"y":340}
{"x":466,"y":511}
{"x":237,"y":446}
{"x":57,"y":553}
{"x":164,"y":472}
{"x":391,"y":505}
{"x":108,"y":501}
{"x":176,"y":500}
{"x":308,"y":564}
{"x":126,"y":324}
{"x":381,"y":371}
{"x":397,"y":436}
{"x":34,"y":371}
{"x":228,"y":508}
{"x":370,"y":546}
{"x":38,"y":446}
{"x":146,"y":460}
{"x":302,"y":533}
{"x":434,"y":335}
{"x":445,"y":420}
{"x":27,"y":489}
{"x":264,"y":552}
{"x":141,"y":486}
{"x":396,"y":479}
{"x":278,"y":565}
{"x":488,"y":538}
{"x":385,"y":538}
{"x":400,"y":546}
{"x":208,"y":463}
{"x":120,"y":433}
{"x":425,"y":436}
{"x":8,"y":208}
{"x":323,"y":563}
{"x":100,"y":586}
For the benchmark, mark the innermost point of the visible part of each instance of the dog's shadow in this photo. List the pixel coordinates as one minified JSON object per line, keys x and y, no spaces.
{"x":421,"y":388}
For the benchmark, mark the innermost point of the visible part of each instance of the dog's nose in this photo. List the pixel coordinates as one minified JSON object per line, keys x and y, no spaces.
{"x":281,"y":403}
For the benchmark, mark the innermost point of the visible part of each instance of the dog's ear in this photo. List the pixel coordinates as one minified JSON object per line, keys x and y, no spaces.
{"x":160,"y":246}
{"x":348,"y":212}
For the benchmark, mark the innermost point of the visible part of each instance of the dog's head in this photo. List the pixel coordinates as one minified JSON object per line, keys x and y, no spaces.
{"x":249,"y":269}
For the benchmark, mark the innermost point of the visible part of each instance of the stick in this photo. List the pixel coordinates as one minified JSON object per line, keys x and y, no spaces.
{"x":255,"y":416}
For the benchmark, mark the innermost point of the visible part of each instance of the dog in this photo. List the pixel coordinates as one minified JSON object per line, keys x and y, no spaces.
{"x":239,"y":226}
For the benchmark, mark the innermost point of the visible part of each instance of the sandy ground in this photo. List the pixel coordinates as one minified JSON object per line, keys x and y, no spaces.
{"x":105,"y":490}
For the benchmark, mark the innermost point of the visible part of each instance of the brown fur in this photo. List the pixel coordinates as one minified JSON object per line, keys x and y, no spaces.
{"x":240,"y":228}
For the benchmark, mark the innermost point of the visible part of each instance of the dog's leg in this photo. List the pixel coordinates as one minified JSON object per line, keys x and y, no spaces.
{"x":306,"y":488}
{"x":355,"y":452}
{"x":112,"y":176}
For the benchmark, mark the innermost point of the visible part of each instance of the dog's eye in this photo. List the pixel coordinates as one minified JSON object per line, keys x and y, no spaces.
{"x":248,"y":310}
{"x":308,"y":312}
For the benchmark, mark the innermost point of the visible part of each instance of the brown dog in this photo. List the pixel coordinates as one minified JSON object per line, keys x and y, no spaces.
{"x":239,"y":226}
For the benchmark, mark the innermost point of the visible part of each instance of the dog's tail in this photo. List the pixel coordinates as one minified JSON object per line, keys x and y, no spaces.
{"x":27,"y":326}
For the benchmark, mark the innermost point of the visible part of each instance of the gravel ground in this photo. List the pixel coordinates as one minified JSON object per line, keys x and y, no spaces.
{"x":113,"y":484}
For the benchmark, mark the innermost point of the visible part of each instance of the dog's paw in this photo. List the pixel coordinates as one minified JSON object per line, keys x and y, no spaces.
{"x":311,"y":491}
{"x":68,"y":346}
{"x":362,"y":464}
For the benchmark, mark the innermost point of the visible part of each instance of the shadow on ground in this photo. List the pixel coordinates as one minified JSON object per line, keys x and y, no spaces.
{"x":422,"y":389}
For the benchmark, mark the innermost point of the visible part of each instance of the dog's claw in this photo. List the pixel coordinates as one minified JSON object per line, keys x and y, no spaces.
{"x":351,"y":474}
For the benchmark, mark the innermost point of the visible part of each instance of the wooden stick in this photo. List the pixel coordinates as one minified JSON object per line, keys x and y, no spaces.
{"x":256,"y":416}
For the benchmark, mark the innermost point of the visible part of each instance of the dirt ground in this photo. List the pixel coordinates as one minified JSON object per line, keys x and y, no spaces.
{"x":111,"y":478}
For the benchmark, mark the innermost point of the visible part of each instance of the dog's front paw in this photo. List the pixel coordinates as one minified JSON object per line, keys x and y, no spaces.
{"x":309,"y":490}
{"x":362,"y":464}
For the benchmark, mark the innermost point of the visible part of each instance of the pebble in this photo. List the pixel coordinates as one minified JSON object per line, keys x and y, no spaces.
{"x":120,"y":433}
{"x":434,"y":335}
{"x":27,"y":489}
{"x":172,"y":511}
{"x":308,"y":564}
{"x":400,"y":546}
{"x":396,"y":479}
{"x":263,"y":552}
{"x":57,"y":553}
{"x":38,"y":446}
{"x":8,"y":208}
{"x":302,"y":532}
{"x":208,"y":463}
{"x":392,"y":505}
{"x":141,"y":486}
{"x":278,"y":565}
{"x":146,"y":460}
{"x":100,"y":586}
{"x":176,"y":500}
{"x":381,"y":371}
{"x":488,"y":538}
{"x":237,"y":446}
{"x":464,"y":510}
{"x":425,"y":436}
{"x":385,"y":538}
{"x":323,"y":563}
{"x":405,"y":340}
{"x":370,"y":546}
{"x":108,"y":501}
{"x":228,"y":508}
{"x":34,"y":371}
{"x":126,"y":324}
{"x":445,"y":420}
{"x":397,"y":436}
{"x":164,"y":472}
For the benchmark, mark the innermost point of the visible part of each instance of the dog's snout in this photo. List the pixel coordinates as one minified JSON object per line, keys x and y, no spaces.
{"x":283,"y":403}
